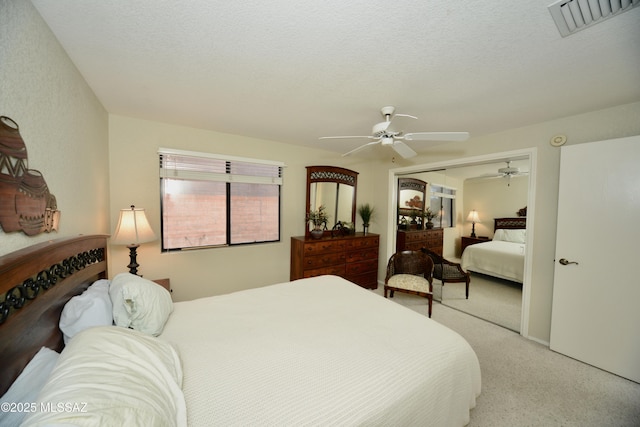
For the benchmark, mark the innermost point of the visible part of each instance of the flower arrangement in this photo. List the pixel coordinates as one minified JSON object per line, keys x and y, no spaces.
{"x":318,"y":217}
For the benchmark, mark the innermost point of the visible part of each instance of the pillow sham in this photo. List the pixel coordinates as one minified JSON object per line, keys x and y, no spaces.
{"x":112,"y":376}
{"x":92,"y":308}
{"x":507,"y":235}
{"x":139,"y":303}
{"x":26,"y":387}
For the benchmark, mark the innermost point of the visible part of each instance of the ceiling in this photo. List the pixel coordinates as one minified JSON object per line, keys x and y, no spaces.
{"x":294,"y":71}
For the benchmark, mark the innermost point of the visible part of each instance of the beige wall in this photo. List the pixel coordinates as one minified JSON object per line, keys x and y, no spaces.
{"x":134,"y":180}
{"x":493,"y":198}
{"x":61,"y":121}
{"x":611,"y":123}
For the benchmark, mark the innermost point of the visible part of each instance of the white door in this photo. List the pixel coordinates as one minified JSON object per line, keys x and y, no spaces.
{"x":596,"y":291}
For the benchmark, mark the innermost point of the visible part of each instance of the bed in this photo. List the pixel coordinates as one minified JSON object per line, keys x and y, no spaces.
{"x":318,"y":351}
{"x":502,"y":257}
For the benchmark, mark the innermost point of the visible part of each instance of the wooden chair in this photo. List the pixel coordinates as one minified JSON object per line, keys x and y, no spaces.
{"x":410,"y":272}
{"x":447,"y":271}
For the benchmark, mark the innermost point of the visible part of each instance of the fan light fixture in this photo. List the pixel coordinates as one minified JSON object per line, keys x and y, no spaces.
{"x":382,"y":133}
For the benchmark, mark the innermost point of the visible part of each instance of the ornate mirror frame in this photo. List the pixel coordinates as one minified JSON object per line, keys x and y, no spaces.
{"x":411,"y":197}
{"x":343,"y":179}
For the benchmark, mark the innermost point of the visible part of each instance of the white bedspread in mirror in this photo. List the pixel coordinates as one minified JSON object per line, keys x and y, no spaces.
{"x":319,"y":351}
{"x":495,"y":258}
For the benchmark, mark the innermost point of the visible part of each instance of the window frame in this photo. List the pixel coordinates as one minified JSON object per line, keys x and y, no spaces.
{"x":444,"y":195}
{"x":208,"y":173}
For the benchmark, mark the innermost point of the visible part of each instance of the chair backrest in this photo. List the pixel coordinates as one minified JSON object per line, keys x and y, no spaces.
{"x":410,"y":262}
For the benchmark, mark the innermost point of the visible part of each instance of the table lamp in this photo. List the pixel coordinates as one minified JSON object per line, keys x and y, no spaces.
{"x":132,"y":230}
{"x":473,"y":217}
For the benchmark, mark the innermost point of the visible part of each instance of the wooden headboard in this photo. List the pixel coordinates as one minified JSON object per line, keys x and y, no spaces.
{"x":510,"y":223}
{"x":35,"y":283}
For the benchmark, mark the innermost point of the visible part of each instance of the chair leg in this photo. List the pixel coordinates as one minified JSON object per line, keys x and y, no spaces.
{"x":430,"y":303}
{"x":467,"y":288}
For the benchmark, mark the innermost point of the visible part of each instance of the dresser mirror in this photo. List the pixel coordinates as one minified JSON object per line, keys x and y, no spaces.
{"x":335,"y":189}
{"x":411,"y":200}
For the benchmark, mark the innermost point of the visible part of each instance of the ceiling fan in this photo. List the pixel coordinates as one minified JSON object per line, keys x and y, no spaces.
{"x":508,"y":172}
{"x":383,"y":133}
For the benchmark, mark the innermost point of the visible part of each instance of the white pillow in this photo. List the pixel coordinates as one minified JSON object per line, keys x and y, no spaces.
{"x":112,"y":376}
{"x":507,"y":235}
{"x":92,"y":308}
{"x":139,"y":303}
{"x":27,"y":386}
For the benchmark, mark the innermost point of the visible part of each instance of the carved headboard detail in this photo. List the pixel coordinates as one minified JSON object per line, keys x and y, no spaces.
{"x":35,"y":284}
{"x":510,"y":223}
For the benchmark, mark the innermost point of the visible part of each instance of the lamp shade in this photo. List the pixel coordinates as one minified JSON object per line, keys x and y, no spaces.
{"x":133,"y":228}
{"x":473,"y":216}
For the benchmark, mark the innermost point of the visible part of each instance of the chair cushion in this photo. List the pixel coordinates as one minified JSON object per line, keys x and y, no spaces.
{"x":409,"y":282}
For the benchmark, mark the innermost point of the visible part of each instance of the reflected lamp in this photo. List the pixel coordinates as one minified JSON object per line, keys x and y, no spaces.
{"x":473,"y":217}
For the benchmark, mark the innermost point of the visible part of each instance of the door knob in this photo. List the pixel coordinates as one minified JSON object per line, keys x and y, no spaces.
{"x":566,"y":262}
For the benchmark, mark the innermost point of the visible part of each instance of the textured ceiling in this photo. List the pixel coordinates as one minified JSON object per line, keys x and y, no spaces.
{"x":293,"y":71}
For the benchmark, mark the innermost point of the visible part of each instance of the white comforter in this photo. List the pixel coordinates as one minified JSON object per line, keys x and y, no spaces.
{"x":496,"y":258}
{"x":319,"y":351}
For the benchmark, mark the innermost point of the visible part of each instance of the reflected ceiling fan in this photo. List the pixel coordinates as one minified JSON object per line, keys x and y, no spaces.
{"x":385,"y":134}
{"x":508,"y":172}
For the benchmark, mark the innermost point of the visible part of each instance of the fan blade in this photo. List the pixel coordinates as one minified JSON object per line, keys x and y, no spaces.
{"x":346,"y":137}
{"x":362,"y":147}
{"x":403,"y":149}
{"x":437,"y":136}
{"x":405,"y":115}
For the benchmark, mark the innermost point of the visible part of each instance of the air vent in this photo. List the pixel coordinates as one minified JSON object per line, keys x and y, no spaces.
{"x":575,"y":15}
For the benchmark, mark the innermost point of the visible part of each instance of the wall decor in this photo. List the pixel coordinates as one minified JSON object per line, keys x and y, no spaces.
{"x":25,"y":201}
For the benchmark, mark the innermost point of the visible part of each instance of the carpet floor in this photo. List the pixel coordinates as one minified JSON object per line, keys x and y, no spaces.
{"x":495,"y":300}
{"x":526,"y":384}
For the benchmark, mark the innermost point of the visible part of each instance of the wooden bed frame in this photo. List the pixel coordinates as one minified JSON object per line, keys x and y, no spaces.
{"x":510,"y":223}
{"x":35,"y":283}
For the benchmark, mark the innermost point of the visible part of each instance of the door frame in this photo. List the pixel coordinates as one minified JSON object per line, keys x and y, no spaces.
{"x":531,"y":153}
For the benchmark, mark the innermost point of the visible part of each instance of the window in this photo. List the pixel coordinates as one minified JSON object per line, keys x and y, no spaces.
{"x":212,"y":200}
{"x":442,"y":200}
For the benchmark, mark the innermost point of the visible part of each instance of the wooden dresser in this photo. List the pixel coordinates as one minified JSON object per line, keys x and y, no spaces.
{"x":414,"y":240}
{"x":353,"y":257}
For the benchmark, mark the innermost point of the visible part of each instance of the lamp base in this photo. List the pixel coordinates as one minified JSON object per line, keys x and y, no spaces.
{"x":473,"y":229}
{"x":133,"y":264}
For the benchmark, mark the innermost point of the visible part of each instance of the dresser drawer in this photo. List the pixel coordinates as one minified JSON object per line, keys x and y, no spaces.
{"x":371,"y":242}
{"x":362,"y":255}
{"x":323,"y":246}
{"x":415,"y":236}
{"x":357,"y":268}
{"x":366,"y":280}
{"x":323,"y":260}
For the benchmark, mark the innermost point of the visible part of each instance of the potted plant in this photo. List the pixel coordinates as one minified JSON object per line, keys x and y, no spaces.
{"x":319,"y":220}
{"x":366,"y":213}
{"x":429,"y":215}
{"x":413,"y":214}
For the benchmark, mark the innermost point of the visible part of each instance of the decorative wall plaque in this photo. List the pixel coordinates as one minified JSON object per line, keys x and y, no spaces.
{"x":25,"y":201}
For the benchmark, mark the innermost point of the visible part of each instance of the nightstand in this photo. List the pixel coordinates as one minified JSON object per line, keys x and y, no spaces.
{"x":467,"y":241}
{"x":165,"y":283}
